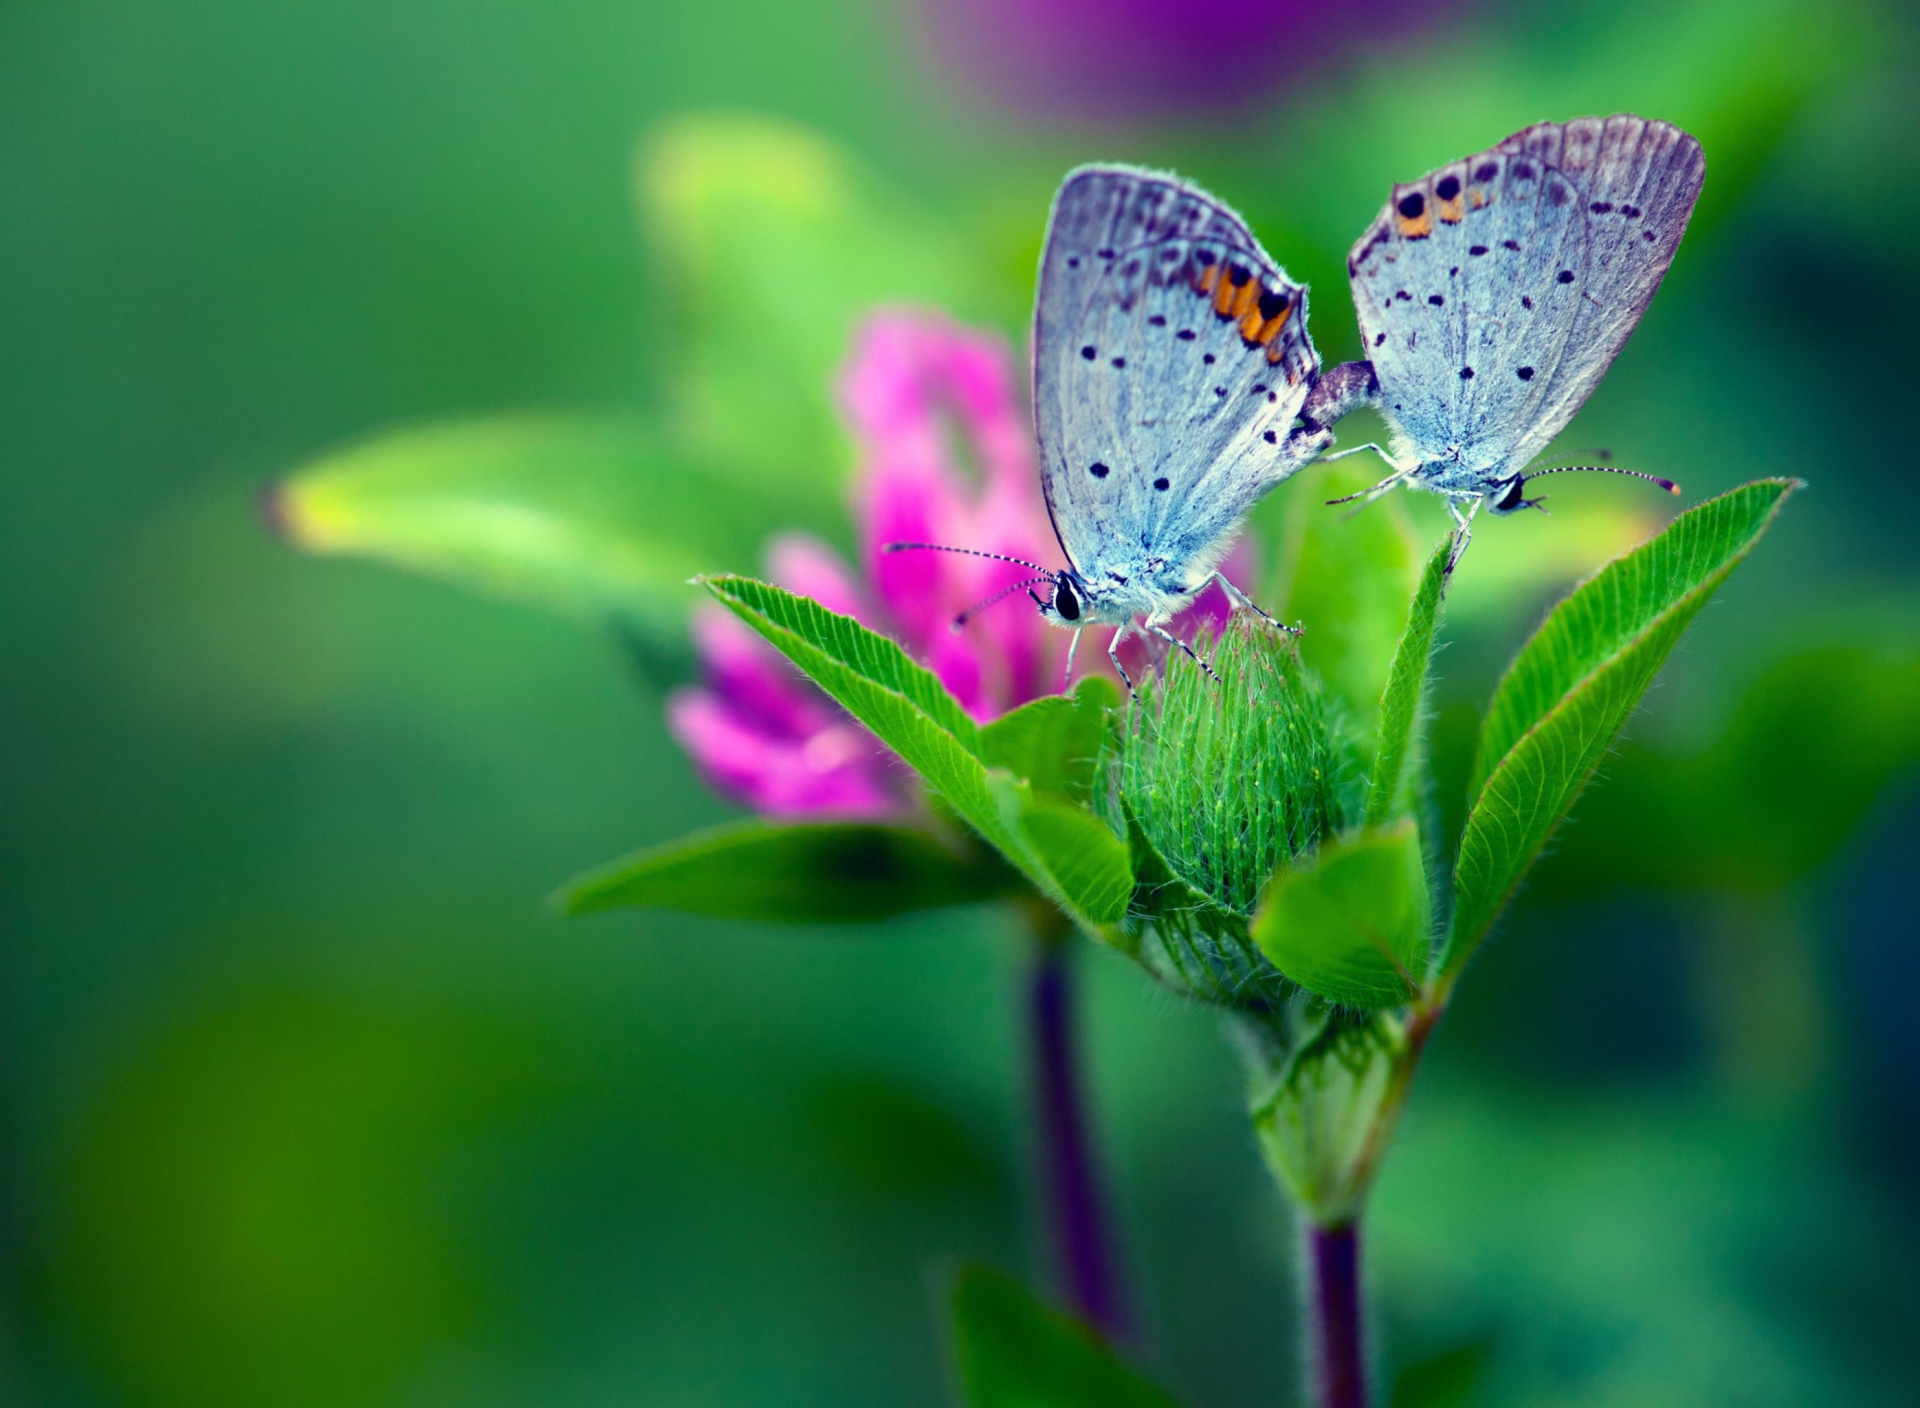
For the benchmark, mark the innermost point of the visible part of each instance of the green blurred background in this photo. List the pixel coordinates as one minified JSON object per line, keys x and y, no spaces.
{"x":303,"y":1099}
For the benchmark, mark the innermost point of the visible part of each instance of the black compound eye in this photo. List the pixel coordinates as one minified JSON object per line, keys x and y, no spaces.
{"x":1509,"y":500}
{"x":1065,"y":601}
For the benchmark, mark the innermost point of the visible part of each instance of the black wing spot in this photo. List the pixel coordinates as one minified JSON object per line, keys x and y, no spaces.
{"x":1073,"y":261}
{"x":1098,"y":470}
{"x":1632,"y":212}
{"x":1104,"y":253}
{"x":1523,"y":171}
{"x":1255,"y":390}
{"x":1203,"y":257}
{"x":1273,"y":395}
{"x":1271,"y":438}
{"x":1412,"y":204}
{"x":1526,"y":302}
{"x":1454,"y":272}
{"x":1119,"y":364}
{"x":1513,"y":245}
{"x":1436,"y":300}
{"x":1238,"y":275}
{"x":1207,"y":357}
{"x":1404,"y":296}
{"x":1557,"y":195}
{"x":1162,"y":483}
{"x":1466,"y":373}
{"x":1525,"y":373}
{"x":1647,"y":235}
{"x":1185,"y":334}
{"x":1565,"y":276}
{"x":1448,"y":188}
{"x":1271,"y":302}
{"x":1158,"y":320}
{"x":1379,"y":339}
{"x":1601,"y":207}
{"x":1219,"y":390}
{"x":1486,"y":173}
{"x":1477,"y":250}
{"x":1089,"y":352}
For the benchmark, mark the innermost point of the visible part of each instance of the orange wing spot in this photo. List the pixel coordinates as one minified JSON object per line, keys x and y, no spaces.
{"x":1479,"y":198}
{"x":1250,"y":325}
{"x":1223,"y":296}
{"x":1246,"y":302}
{"x":1453,"y":210}
{"x":1416,"y":227}
{"x":1209,"y":276}
{"x":1275,"y":352}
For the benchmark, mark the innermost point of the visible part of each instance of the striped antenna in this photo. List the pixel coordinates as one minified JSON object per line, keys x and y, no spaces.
{"x":1001,"y":595}
{"x":1667,"y":484}
{"x":968,"y":552}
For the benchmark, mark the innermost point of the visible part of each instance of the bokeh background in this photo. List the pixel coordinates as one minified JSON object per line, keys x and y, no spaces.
{"x":304,"y":1099}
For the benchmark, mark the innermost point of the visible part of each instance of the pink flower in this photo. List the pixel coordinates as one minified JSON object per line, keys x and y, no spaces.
{"x":946,"y":457}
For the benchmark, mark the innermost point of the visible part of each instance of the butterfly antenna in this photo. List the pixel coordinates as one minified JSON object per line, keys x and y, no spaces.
{"x":966,"y":552}
{"x":1001,"y":595}
{"x":1667,"y":484}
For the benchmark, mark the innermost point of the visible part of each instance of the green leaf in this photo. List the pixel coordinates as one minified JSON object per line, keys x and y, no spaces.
{"x":1346,"y":575}
{"x":1406,"y":686}
{"x":592,"y":517}
{"x":823,"y":874}
{"x":1055,"y":743}
{"x":1572,"y":687}
{"x":775,"y":242}
{"x":1351,"y":923}
{"x":909,"y":710}
{"x":1013,"y":1352}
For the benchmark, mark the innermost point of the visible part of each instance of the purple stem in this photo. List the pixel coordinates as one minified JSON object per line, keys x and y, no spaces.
{"x":1083,"y":1245}
{"x":1339,"y":1360}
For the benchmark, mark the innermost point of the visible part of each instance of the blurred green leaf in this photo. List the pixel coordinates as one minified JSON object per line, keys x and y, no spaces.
{"x":1055,"y":743}
{"x":1013,"y":1352}
{"x":1808,"y":748}
{"x":594,"y":517}
{"x":1405,"y":689}
{"x":775,"y":242}
{"x":1571,"y":688}
{"x":1231,"y":774}
{"x":1452,"y":1378}
{"x":1351,"y":922}
{"x":824,"y":874}
{"x":911,"y":712}
{"x":1346,"y":575}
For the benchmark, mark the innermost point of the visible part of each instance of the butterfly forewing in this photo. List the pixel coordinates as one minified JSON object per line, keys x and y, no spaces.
{"x":1493,"y":293}
{"x":1170,"y":358}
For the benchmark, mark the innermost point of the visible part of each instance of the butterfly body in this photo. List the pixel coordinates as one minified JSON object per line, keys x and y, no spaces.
{"x":1494,"y":292}
{"x":1171,"y":360}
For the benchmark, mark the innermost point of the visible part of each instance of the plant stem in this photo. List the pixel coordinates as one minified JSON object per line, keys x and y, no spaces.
{"x":1084,"y":1250}
{"x":1339,"y":1359}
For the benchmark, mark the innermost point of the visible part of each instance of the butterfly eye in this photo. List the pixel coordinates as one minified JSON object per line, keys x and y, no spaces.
{"x":1509,"y":499}
{"x":1065,"y":601}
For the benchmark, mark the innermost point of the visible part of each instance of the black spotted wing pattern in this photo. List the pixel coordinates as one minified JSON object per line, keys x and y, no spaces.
{"x":1170,"y":359}
{"x":1493,"y":293}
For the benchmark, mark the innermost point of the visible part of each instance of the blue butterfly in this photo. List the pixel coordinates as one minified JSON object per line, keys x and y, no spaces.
{"x":1172,"y":373}
{"x":1494,"y":293}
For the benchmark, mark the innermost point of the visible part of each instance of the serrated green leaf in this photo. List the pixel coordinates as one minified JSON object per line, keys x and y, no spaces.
{"x":831,"y":873}
{"x":909,"y":710}
{"x":1346,"y":575}
{"x":1406,"y":686}
{"x":1351,"y":922}
{"x":593,"y":517}
{"x":775,"y":242}
{"x":1055,"y":743}
{"x":1574,"y":684}
{"x":1013,"y":1352}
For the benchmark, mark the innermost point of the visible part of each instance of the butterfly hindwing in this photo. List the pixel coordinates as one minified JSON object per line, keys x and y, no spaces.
{"x":1170,"y":358}
{"x":1493,"y":293}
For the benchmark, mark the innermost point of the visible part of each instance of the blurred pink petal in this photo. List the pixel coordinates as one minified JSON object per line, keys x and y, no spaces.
{"x":808,"y":567}
{"x":830,"y":771}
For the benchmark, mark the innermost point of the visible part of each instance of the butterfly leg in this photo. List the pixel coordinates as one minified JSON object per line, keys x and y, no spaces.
{"x":1240,"y":598}
{"x":1465,"y":520}
{"x":1113,"y":654}
{"x":1072,"y":646}
{"x":1161,"y":631}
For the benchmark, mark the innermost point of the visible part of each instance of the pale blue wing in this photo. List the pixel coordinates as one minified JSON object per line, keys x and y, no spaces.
{"x":1170,"y":359}
{"x":1494,"y":292}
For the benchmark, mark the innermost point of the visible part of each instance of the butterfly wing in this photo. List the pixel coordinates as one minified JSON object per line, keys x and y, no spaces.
{"x":1494,"y":292}
{"x":1170,"y":358}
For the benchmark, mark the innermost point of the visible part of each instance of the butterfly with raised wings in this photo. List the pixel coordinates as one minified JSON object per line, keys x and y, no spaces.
{"x":1173,"y":385}
{"x":1495,"y":291}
